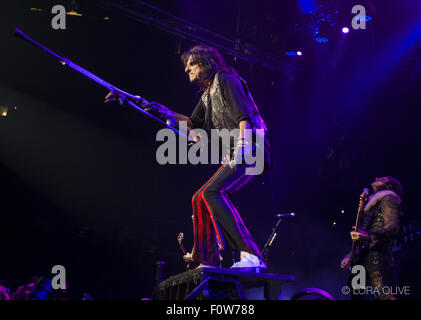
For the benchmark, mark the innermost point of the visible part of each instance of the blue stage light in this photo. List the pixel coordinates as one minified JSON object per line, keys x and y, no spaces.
{"x":321,"y":36}
{"x":367,"y":18}
{"x":307,"y":6}
{"x":321,"y":39}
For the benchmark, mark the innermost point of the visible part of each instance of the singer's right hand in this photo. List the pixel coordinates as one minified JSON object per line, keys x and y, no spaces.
{"x":188,"y":257}
{"x":195,"y":137}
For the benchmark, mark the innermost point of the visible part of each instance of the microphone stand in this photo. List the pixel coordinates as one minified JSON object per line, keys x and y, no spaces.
{"x":268,"y":244}
{"x":132,"y":100}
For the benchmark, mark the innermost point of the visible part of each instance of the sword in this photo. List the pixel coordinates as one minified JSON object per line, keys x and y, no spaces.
{"x":169,"y":123}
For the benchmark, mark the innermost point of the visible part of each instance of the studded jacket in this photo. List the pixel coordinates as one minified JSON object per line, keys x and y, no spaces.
{"x":229,"y":102}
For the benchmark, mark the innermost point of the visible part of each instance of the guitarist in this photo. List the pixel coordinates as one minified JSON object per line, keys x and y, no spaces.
{"x":379,"y":227}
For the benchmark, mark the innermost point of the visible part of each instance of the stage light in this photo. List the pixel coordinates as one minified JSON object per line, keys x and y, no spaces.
{"x":294,"y":53}
{"x":74,"y":13}
{"x":321,"y":39}
{"x":307,"y":6}
{"x":3,"y":111}
{"x":360,"y":18}
{"x":323,"y":30}
{"x":320,"y":36}
{"x":345,"y":29}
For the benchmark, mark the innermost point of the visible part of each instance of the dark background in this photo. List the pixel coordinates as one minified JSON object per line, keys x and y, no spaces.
{"x":79,"y":182}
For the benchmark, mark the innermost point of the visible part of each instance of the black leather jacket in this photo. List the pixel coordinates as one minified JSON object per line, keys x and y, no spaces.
{"x":226,"y":105}
{"x":228,"y":102}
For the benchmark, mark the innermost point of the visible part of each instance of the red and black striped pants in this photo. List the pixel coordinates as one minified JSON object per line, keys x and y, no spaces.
{"x":215,"y":218}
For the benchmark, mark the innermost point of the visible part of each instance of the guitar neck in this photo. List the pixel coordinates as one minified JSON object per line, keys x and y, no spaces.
{"x":353,"y":249}
{"x":182,"y":247}
{"x":357,"y":225}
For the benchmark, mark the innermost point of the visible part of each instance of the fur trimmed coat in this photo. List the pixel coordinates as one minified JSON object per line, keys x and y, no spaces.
{"x":381,"y":219}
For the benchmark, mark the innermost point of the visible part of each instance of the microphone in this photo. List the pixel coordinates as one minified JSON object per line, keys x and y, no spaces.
{"x":284,"y":215}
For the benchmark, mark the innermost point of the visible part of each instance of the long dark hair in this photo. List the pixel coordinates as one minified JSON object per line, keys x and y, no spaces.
{"x":395,"y":186}
{"x":209,"y":58}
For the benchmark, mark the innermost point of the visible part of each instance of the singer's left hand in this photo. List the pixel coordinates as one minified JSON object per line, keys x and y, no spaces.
{"x":159,"y":109}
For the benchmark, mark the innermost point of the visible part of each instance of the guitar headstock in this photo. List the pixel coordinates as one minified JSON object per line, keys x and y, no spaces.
{"x":363,"y":197}
{"x":180,"y":237}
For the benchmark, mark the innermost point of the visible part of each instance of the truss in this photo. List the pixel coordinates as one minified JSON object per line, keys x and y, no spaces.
{"x":145,"y":13}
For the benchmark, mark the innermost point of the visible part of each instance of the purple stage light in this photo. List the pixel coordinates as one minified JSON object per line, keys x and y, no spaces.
{"x":345,"y":29}
{"x":299,"y":53}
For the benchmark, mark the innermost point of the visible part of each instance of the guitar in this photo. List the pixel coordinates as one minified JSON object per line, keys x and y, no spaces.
{"x":355,"y":243}
{"x":180,"y":239}
{"x":192,"y":264}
